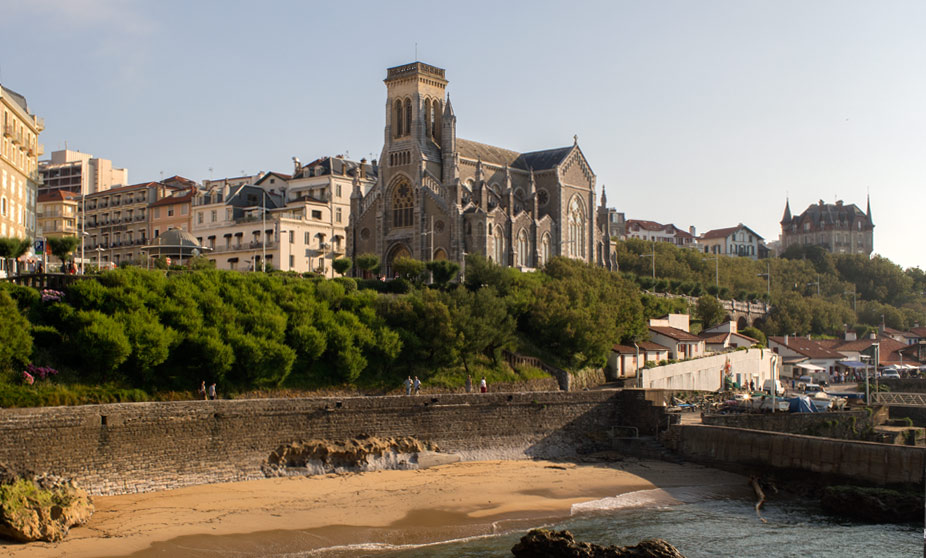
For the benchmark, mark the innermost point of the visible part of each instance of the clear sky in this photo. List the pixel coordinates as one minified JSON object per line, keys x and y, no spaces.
{"x":703,"y":113}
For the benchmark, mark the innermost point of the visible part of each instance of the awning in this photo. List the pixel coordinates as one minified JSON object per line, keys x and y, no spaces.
{"x":809,"y":366}
{"x":852,"y":364}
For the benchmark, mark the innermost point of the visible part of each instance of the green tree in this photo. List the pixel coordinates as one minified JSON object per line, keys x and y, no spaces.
{"x":368,"y":263}
{"x":10,"y":249}
{"x":710,"y":311}
{"x":99,"y":343}
{"x":483,"y":322}
{"x":62,"y":247}
{"x":443,"y":271}
{"x":409,"y":268}
{"x":756,"y":334}
{"x":341,"y":265}
{"x":15,"y":340}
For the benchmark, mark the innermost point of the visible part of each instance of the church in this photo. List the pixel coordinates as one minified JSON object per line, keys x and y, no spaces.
{"x":438,"y":196}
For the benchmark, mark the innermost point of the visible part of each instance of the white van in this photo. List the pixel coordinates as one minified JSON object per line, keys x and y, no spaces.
{"x":767,"y":387}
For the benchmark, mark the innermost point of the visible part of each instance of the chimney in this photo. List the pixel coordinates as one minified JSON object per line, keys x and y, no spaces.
{"x":787,"y":337}
{"x":363,"y":168}
{"x":691,"y":230}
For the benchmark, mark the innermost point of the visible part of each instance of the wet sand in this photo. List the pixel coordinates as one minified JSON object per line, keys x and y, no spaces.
{"x":254,"y":518}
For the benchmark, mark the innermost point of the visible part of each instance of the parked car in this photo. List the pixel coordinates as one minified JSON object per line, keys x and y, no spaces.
{"x":890,"y":373}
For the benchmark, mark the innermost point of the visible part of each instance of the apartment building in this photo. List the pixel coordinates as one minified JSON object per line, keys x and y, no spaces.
{"x":298,"y":222}
{"x":58,"y":214}
{"x":81,"y":173}
{"x":19,"y":153}
{"x":117,"y":222}
{"x":173,"y":211}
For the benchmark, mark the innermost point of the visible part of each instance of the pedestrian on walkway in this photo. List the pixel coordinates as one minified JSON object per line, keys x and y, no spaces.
{"x":417,"y":385}
{"x":211,"y":391}
{"x":483,"y":386}
{"x":408,"y":386}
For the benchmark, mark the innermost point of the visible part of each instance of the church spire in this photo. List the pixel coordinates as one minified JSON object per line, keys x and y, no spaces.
{"x":868,"y":212}
{"x":787,"y":216}
{"x":604,"y":197}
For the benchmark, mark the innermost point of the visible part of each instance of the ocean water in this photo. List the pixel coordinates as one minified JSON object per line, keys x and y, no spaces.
{"x":698,"y":527}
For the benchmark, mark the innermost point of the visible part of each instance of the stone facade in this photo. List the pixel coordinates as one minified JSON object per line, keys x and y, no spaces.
{"x":19,"y":178}
{"x":839,"y":228}
{"x":442,"y":197}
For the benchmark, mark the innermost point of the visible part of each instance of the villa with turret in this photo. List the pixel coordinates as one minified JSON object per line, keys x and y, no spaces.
{"x":839,"y":228}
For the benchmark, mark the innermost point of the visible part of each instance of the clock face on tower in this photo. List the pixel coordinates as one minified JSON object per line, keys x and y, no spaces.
{"x":543,"y":197}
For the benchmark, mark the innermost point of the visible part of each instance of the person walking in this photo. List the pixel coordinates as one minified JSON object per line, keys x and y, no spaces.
{"x":417,"y":385}
{"x":483,"y":386}
{"x":202,"y":389}
{"x":408,"y":386}
{"x":469,"y":384}
{"x":211,"y":391}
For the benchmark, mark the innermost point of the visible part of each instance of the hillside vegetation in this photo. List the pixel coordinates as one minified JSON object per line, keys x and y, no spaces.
{"x":132,"y":334}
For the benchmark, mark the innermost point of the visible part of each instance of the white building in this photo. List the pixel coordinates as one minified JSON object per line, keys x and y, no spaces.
{"x":732,"y":241}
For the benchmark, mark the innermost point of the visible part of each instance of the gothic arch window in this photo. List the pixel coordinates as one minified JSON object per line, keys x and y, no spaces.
{"x":499,"y":246}
{"x":523,"y":249}
{"x":408,"y":117}
{"x":440,"y":254}
{"x":481,"y":229}
{"x":436,"y":122}
{"x":397,"y":118}
{"x":403,"y":203}
{"x":545,"y":249}
{"x":576,"y":229}
{"x":427,"y":114}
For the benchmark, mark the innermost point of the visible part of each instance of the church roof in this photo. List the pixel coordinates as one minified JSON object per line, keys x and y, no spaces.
{"x":537,"y":160}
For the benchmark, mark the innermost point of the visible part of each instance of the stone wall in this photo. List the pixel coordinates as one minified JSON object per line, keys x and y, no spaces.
{"x":754,"y":450}
{"x":904,"y":385}
{"x":138,"y":447}
{"x":915,"y":413}
{"x":810,"y":424}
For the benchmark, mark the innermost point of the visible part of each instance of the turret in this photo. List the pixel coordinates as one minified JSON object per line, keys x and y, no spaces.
{"x":786,"y":219}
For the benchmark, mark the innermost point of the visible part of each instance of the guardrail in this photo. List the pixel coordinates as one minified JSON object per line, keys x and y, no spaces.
{"x":888,"y":398}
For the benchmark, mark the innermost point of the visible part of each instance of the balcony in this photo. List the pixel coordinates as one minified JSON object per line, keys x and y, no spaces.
{"x":8,"y":130}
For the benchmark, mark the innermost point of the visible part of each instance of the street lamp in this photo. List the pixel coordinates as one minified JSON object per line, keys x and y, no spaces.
{"x":653,"y":255}
{"x":817,"y":283}
{"x":854,"y":309}
{"x":99,"y":254}
{"x":768,"y":278}
{"x":263,"y":235}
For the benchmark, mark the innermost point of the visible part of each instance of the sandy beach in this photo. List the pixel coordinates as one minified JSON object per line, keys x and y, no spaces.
{"x":391,"y":507}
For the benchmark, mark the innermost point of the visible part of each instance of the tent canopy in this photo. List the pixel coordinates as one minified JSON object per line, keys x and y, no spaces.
{"x":852,"y":364}
{"x":809,"y":366}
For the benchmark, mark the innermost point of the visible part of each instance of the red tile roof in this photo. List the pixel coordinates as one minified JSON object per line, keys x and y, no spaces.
{"x":171,"y":200}
{"x":674,"y":333}
{"x":57,"y":195}
{"x":807,"y":347}
{"x":651,"y":346}
{"x":723,"y":233}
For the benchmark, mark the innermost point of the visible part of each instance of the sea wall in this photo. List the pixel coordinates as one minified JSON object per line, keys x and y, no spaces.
{"x":799,"y":423}
{"x":139,"y":447}
{"x":755,"y":450}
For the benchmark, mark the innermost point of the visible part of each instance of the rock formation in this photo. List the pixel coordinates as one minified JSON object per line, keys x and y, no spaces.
{"x":40,"y":508}
{"x":561,"y":544}
{"x":874,"y":505}
{"x":354,"y":454}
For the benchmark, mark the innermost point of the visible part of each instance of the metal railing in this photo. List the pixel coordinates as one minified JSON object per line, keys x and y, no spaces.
{"x":889,"y":398}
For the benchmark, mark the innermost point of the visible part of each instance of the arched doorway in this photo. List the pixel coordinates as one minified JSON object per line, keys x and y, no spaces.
{"x":439,"y":254}
{"x":397,"y":251}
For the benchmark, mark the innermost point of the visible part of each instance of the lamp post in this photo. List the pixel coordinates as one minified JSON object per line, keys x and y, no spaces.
{"x":653,"y":255}
{"x":817,"y":283}
{"x":263,"y":235}
{"x":768,"y":278}
{"x":853,"y":299}
{"x":99,"y":256}
{"x":83,"y":229}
